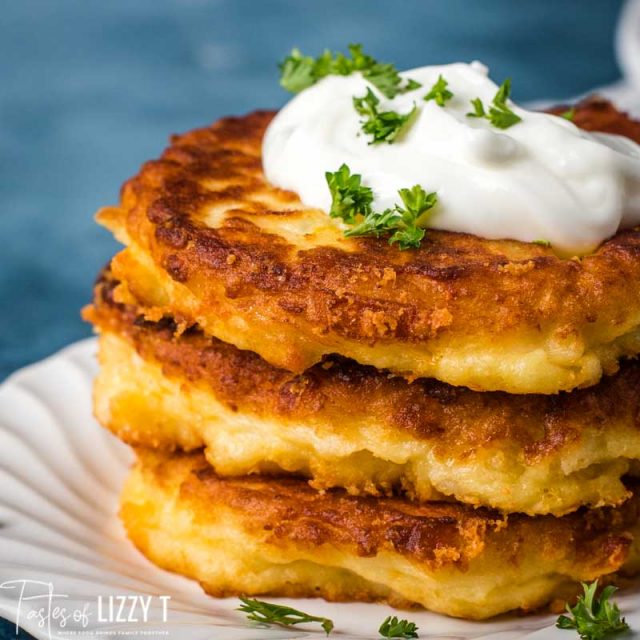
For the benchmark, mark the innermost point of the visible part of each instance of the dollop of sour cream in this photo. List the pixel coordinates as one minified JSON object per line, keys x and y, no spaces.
{"x":542,"y":179}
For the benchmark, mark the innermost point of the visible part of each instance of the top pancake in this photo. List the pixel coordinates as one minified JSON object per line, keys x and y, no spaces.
{"x":211,"y":241}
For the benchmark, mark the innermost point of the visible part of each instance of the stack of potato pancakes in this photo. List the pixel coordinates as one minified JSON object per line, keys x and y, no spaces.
{"x":456,"y":426}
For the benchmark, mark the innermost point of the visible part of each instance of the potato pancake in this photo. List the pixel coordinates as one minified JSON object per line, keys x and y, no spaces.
{"x":275,"y":536}
{"x":342,"y":424}
{"x":209,"y":241}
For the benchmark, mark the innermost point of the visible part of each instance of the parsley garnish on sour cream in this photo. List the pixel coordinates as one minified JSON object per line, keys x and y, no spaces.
{"x":499,"y":114}
{"x":297,"y":71}
{"x":382,"y":126}
{"x":462,"y":134}
{"x":439,"y":92}
{"x":403,"y":223}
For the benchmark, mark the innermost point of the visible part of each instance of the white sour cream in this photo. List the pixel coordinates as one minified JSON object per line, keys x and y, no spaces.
{"x":541,"y":179}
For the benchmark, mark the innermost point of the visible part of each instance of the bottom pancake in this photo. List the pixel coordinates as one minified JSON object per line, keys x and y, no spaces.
{"x":279,"y":537}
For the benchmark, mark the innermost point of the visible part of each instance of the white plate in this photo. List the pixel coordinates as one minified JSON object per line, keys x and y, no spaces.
{"x":60,"y":474}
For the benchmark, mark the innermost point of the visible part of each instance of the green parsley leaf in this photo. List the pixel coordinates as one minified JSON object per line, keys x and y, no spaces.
{"x":269,"y":613}
{"x":416,"y":202}
{"x":542,"y":243}
{"x":569,"y":114}
{"x":503,"y":119}
{"x":503,"y":93}
{"x":394,"y":628}
{"x":499,"y":114}
{"x":387,"y":80}
{"x":375,"y":224}
{"x":382,"y":75}
{"x":382,"y":126}
{"x":478,"y":109}
{"x":439,"y":92}
{"x":408,"y":238}
{"x":411,"y":85}
{"x":360,"y":59}
{"x":592,"y":617}
{"x":329,"y":63}
{"x":352,"y":202}
{"x":297,"y":72}
{"x":348,"y":197}
{"x":367,"y":105}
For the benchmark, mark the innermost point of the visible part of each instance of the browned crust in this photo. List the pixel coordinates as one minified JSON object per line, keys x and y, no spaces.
{"x":339,"y":390}
{"x":455,"y":285}
{"x":435,"y":534}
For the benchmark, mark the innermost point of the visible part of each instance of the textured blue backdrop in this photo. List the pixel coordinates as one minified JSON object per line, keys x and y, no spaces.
{"x":92,"y":89}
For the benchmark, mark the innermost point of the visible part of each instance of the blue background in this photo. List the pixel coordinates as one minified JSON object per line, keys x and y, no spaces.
{"x":92,"y":89}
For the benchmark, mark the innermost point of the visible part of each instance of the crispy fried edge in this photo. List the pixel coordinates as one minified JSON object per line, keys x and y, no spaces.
{"x":404,"y":435}
{"x":486,"y":314}
{"x":439,"y":555}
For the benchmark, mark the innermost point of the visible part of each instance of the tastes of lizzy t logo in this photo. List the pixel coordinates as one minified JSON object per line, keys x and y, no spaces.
{"x":39,"y":603}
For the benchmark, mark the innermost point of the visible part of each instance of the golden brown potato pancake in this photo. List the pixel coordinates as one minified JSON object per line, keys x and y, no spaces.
{"x":348,"y":425}
{"x":210,"y":241}
{"x":275,"y":536}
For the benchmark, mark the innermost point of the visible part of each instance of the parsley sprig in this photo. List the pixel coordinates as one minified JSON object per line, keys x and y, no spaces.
{"x":352,"y":202}
{"x":439,"y":92}
{"x":382,"y":126}
{"x":592,"y":617}
{"x":349,"y":197}
{"x":269,"y":613}
{"x":499,"y":114}
{"x":394,"y":628}
{"x":297,"y":71}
